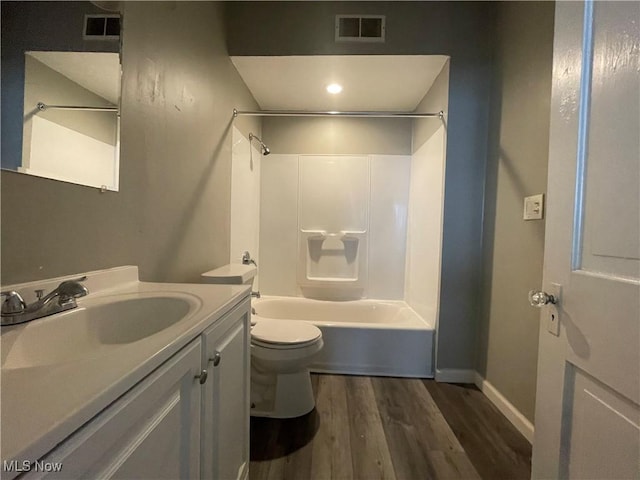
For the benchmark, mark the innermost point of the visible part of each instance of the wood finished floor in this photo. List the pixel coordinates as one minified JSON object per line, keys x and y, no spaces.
{"x":369,"y":428}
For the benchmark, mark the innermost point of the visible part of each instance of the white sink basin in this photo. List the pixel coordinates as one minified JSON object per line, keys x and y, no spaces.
{"x":130,"y":320}
{"x":98,"y":327}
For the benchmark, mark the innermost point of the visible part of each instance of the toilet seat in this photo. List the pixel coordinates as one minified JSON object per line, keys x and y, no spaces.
{"x":283,"y":334}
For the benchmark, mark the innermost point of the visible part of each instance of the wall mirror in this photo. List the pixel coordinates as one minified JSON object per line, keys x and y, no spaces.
{"x":71,"y":129}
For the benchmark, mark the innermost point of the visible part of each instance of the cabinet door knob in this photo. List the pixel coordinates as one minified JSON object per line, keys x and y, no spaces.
{"x":203,"y":377}
{"x":216,"y":359}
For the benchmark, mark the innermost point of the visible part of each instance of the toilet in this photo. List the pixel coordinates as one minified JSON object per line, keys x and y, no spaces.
{"x":281,"y":351}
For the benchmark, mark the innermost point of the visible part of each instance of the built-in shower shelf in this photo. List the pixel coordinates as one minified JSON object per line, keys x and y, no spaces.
{"x":333,"y":220}
{"x":344,"y":235}
{"x":332,"y":258}
{"x":333,"y":279}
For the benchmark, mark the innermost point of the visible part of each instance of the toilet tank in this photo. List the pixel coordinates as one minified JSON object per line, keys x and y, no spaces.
{"x":232,"y":274}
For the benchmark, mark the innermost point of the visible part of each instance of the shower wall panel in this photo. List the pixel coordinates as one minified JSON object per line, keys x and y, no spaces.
{"x":278,"y":225}
{"x":336,"y":194}
{"x":245,"y":200}
{"x":424,"y":233}
{"x":390,"y":175}
{"x":333,"y":222}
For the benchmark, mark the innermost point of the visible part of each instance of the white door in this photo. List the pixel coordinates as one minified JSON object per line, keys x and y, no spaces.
{"x":587,"y":407}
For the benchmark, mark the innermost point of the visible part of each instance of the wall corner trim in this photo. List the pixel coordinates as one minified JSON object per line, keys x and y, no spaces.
{"x":452,"y":375}
{"x":524,"y":426}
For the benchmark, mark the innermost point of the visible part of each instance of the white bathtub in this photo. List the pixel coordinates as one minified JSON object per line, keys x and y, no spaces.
{"x":370,"y":337}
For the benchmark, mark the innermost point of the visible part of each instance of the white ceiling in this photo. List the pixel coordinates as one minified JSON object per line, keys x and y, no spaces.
{"x":370,"y":82}
{"x":98,"y":72}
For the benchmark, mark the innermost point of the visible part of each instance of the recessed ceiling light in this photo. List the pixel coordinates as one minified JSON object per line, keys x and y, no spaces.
{"x":334,"y":88}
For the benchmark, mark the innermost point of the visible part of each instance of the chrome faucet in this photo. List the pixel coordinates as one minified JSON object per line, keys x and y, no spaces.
{"x":255,"y":294}
{"x":247,"y":260}
{"x":15,"y":310}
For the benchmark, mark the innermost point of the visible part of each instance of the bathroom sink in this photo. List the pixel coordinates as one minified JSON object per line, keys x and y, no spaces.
{"x":130,"y":320}
{"x":97,"y":328}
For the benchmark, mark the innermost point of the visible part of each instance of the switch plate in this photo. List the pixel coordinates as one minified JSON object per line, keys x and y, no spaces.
{"x":534,"y":207}
{"x":553,"y":310}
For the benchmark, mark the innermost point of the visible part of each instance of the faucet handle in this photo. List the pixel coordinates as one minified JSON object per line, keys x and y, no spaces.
{"x":247,"y":260}
{"x":13,"y":304}
{"x":76,"y":280}
{"x":72,"y":289}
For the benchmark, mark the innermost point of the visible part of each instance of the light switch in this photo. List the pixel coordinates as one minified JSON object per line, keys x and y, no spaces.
{"x":534,"y":207}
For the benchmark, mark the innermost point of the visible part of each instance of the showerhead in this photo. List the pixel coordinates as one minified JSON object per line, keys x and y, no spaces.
{"x":265,"y":149}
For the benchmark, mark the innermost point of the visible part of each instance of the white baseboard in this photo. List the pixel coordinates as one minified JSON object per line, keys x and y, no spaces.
{"x":452,"y":375}
{"x":524,"y":426}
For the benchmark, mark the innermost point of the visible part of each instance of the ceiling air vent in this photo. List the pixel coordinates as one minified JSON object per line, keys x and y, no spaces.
{"x":101,"y":27}
{"x":360,"y":28}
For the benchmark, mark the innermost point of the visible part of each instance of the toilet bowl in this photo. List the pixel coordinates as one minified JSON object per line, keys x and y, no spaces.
{"x":281,"y":352}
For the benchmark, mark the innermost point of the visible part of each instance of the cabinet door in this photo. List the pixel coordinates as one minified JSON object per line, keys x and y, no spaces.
{"x":225,"y":435}
{"x":153,"y":431}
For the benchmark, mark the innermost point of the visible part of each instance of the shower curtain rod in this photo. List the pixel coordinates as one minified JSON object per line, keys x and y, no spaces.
{"x":304,"y":113}
{"x":43,"y":106}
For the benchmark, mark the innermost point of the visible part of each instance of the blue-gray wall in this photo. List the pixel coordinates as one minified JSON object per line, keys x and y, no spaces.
{"x":516,"y":168}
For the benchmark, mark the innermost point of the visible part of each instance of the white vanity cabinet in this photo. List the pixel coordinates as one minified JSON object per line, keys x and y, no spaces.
{"x":153,"y":431}
{"x":177,"y":423}
{"x":225,"y":397}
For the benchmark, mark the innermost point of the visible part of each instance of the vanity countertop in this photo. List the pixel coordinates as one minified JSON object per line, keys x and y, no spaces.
{"x":43,"y":404}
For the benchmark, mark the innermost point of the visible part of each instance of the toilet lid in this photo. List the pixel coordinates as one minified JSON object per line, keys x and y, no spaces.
{"x":283,"y":332}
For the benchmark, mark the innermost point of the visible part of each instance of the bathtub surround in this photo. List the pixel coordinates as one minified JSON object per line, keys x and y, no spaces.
{"x":387,"y":142}
{"x":333,"y":224}
{"x":333,"y":227}
{"x":172,"y":214}
{"x":388,"y":224}
{"x":424,"y":227}
{"x":279,"y":225}
{"x":245,"y":200}
{"x":425,"y":237}
{"x":280,"y":216}
{"x":310,"y":195}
